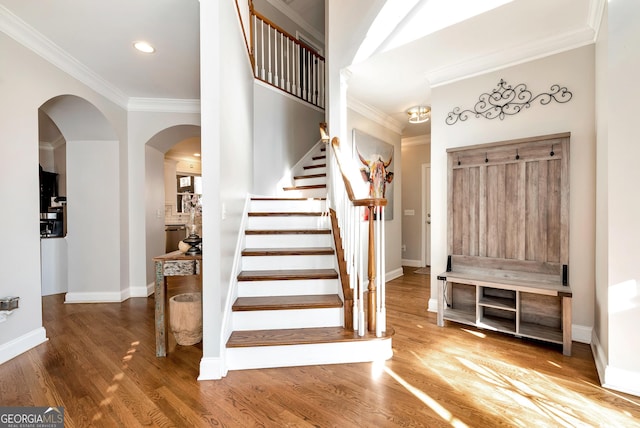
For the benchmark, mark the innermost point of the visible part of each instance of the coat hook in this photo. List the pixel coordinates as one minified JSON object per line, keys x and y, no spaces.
{"x":486,"y":159}
{"x":552,"y":152}
{"x":517,"y":155}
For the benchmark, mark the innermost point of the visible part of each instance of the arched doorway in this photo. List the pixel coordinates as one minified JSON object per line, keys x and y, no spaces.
{"x":92,"y":171}
{"x":160,"y":191}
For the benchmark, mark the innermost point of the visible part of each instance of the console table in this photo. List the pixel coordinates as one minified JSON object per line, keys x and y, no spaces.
{"x":171,"y":264}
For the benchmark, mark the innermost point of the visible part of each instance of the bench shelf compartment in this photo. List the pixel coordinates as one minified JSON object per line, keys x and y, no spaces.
{"x":542,"y":316}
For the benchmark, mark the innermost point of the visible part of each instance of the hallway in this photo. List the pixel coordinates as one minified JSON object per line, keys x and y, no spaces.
{"x":100,"y":365}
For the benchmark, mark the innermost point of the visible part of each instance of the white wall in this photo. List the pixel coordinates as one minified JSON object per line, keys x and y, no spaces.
{"x":601,"y":312}
{"x":393,"y":228}
{"x":227,"y":163}
{"x":285,"y":128}
{"x":93,"y":233}
{"x":618,"y":290}
{"x":573,"y":69}
{"x":26,"y":82}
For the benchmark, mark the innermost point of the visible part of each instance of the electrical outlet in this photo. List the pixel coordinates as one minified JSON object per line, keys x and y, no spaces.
{"x":404,"y":247}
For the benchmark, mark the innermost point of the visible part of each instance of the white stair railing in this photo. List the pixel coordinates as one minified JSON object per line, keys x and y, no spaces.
{"x":286,"y":63}
{"x":362,"y":229}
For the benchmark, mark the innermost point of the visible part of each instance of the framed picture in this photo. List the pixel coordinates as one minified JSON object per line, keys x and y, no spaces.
{"x":376,"y":161}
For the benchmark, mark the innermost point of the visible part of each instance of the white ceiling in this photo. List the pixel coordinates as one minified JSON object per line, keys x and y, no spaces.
{"x":94,"y":38}
{"x":394,"y":80}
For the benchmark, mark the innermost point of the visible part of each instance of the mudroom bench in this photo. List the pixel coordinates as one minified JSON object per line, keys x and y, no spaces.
{"x":523,"y":298}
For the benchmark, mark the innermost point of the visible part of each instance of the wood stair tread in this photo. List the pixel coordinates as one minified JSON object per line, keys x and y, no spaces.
{"x":267,"y":303}
{"x":311,"y":186}
{"x":287,"y":231}
{"x":302,"y":177}
{"x":299,"y":336}
{"x":276,"y":198}
{"x":306,"y":251}
{"x":287,"y":274}
{"x":321,"y":165}
{"x":318,"y":157}
{"x":287,"y":214}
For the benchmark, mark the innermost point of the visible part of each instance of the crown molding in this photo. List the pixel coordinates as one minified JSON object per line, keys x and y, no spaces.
{"x":510,"y":57}
{"x":418,"y":140}
{"x":163,"y":105}
{"x":27,"y":36}
{"x":596,"y":10}
{"x":295,"y":17}
{"x":374,"y":114}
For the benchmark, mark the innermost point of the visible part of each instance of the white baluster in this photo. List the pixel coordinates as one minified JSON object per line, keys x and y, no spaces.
{"x":383,"y":280}
{"x":255,"y":44}
{"x":275,"y":56}
{"x":289,"y":65}
{"x":269,"y":57}
{"x":281,"y":60}
{"x":262,"y":48}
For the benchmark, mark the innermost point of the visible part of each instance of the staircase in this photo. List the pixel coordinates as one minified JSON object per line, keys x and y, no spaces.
{"x":289,"y":307}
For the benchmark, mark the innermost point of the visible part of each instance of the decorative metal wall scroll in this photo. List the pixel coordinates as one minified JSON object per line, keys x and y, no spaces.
{"x":506,"y":100}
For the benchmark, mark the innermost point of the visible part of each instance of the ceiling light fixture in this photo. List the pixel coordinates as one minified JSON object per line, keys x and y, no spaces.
{"x":419,"y":114}
{"x":197,"y":155}
{"x":144,"y":47}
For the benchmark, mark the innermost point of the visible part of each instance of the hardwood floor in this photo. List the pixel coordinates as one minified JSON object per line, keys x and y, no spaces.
{"x":100,"y":365}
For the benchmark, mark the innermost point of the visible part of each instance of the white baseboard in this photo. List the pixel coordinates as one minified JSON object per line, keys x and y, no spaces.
{"x":397,"y":273}
{"x":142,"y":291}
{"x":412,"y":263}
{"x":622,"y":380}
{"x":433,"y":305}
{"x":599,"y":357}
{"x":211,"y":369}
{"x":95,"y":297}
{"x":22,"y":344}
{"x":581,"y":333}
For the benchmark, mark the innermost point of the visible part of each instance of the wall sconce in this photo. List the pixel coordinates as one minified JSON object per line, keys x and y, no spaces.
{"x":419,"y":114}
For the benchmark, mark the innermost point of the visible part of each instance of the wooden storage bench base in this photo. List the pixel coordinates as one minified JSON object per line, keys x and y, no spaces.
{"x":525,"y":305}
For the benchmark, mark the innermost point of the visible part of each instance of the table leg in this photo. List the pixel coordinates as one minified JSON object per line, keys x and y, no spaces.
{"x":161,"y":322}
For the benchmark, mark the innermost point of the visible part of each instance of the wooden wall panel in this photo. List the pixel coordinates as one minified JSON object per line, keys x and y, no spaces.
{"x":474,"y":207}
{"x":553,"y":210}
{"x":456,"y":217}
{"x":510,"y":200}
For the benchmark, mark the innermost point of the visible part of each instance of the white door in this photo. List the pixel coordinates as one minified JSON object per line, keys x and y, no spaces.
{"x":426,"y":214}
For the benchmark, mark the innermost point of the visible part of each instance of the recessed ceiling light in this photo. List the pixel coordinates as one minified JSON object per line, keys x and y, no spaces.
{"x":197,"y":155}
{"x":144,"y":47}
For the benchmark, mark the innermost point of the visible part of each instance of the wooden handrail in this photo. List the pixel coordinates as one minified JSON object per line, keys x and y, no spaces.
{"x":362,"y":202}
{"x":285,"y":33}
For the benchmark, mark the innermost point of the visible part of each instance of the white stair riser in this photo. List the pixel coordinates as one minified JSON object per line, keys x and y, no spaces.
{"x":288,"y":241}
{"x":292,"y":318}
{"x":310,"y":181}
{"x":288,"y":262}
{"x":306,"y":193}
{"x":304,"y":287}
{"x":305,"y":355}
{"x":280,"y":205}
{"x":289,"y":222}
